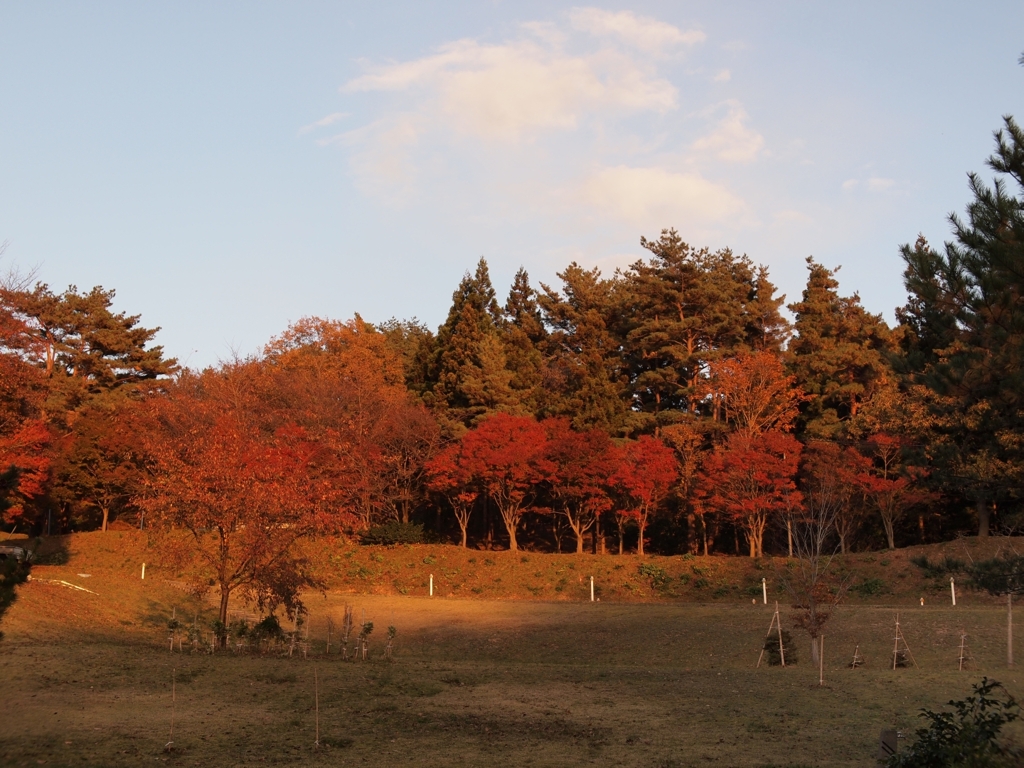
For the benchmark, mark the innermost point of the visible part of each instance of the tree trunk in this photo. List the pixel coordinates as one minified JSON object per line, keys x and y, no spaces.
{"x":225,"y":593}
{"x":465,"y":538}
{"x":815,"y":651}
{"x":513,"y":546}
{"x":983,"y":516}
{"x":890,"y":536}
{"x":640,"y":540}
{"x":106,"y":516}
{"x":579,"y":542}
{"x":789,"y":537}
{"x":622,"y":535}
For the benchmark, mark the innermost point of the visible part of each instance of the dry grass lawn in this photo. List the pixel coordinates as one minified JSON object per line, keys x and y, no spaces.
{"x":475,"y":682}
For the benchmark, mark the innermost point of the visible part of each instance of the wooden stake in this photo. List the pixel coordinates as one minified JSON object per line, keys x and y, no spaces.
{"x":1009,"y":629}
{"x":316,"y":701}
{"x":821,"y":660}
{"x":170,"y":744}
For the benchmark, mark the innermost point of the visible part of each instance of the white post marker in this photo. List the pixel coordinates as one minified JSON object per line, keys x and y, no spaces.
{"x":764,"y":590}
{"x":952,"y":589}
{"x":591,"y":589}
{"x":143,"y":570}
{"x":431,"y":585}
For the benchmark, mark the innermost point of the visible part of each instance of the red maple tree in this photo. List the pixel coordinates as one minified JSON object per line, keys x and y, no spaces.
{"x":750,"y":478}
{"x":507,"y":456}
{"x":584,"y":465}
{"x":647,"y":471}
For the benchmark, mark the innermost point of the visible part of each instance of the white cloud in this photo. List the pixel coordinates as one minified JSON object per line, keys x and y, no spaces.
{"x":723,"y":76}
{"x":383,"y":166}
{"x":642,"y":32}
{"x":872,"y":184}
{"x":731,"y":140}
{"x":507,"y":91}
{"x":792,"y":217}
{"x":655,"y":197}
{"x":876,"y":184}
{"x":323,"y":122}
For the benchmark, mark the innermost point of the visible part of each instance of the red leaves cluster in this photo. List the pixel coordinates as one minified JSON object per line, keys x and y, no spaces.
{"x":751,"y":477}
{"x":513,"y":460}
{"x":24,"y":469}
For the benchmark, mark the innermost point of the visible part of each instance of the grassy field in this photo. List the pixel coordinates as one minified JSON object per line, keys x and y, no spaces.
{"x":652,"y":675}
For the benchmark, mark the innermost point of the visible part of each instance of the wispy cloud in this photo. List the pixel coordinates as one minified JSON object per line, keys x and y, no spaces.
{"x":323,"y":122}
{"x":731,"y":140}
{"x":569,"y":121}
{"x":511,"y":90}
{"x":641,"y":32}
{"x":649,"y":197}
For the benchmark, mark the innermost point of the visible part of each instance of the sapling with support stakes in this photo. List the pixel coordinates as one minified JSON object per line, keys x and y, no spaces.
{"x":363,"y":646}
{"x":965,"y":652}
{"x":769,"y":642}
{"x":900,"y":655}
{"x":330,"y":631}
{"x":174,"y":626}
{"x":858,"y":660}
{"x":391,"y":641}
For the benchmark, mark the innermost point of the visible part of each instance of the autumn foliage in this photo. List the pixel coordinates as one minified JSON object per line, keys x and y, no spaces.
{"x":665,"y":408}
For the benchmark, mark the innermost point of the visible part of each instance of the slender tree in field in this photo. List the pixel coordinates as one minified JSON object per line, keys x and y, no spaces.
{"x":507,"y":455}
{"x":646,"y":476}
{"x":751,"y":479}
{"x":234,"y":482}
{"x":584,"y":468}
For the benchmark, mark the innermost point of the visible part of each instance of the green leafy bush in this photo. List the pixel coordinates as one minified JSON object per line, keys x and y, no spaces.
{"x":968,"y":736}
{"x":657,"y":575}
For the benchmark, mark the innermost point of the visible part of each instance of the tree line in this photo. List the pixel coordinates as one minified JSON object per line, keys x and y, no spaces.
{"x":668,"y":407}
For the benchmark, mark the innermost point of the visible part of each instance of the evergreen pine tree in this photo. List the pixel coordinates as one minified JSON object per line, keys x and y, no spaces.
{"x":838,"y":354}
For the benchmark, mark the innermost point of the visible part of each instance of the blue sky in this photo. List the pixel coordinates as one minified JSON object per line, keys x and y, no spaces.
{"x":229,"y":168}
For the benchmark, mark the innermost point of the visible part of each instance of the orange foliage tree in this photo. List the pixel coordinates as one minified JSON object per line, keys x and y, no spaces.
{"x":349,"y":375}
{"x":235,"y":480}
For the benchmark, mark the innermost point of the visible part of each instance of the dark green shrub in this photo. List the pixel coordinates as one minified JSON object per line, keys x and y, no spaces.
{"x":267,"y":628}
{"x":870,"y":587}
{"x":657,"y":575}
{"x":968,"y":736}
{"x":391,"y":533}
{"x":771,"y":648}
